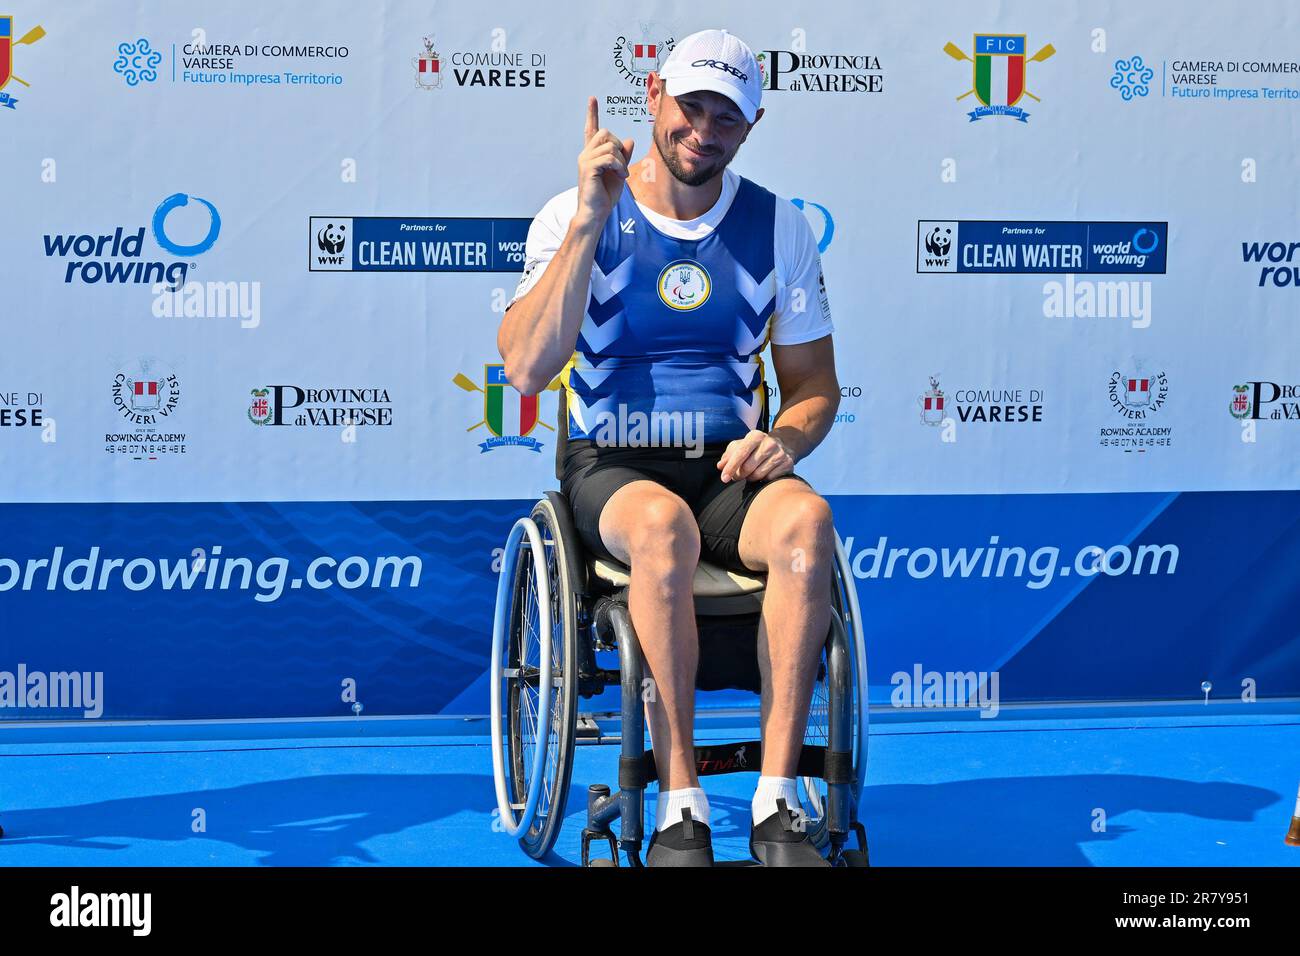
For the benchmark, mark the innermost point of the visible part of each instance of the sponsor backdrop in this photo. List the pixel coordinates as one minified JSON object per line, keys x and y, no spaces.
{"x":257,"y":451}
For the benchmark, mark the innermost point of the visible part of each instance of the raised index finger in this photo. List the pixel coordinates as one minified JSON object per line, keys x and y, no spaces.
{"x":593,"y":119}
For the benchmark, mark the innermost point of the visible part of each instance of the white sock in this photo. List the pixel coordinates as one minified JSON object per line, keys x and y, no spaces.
{"x":771,"y":789}
{"x":668,"y":806}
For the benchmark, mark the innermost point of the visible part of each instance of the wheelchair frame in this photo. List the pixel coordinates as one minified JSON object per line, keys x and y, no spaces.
{"x":590,"y":615}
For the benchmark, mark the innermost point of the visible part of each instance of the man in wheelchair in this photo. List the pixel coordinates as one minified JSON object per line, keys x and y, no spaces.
{"x":651,"y":290}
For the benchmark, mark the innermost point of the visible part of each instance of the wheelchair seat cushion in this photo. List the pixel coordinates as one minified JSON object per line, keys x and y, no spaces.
{"x":711,"y":581}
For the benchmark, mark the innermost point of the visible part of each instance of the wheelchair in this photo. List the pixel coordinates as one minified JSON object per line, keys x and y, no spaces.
{"x":557,"y":609}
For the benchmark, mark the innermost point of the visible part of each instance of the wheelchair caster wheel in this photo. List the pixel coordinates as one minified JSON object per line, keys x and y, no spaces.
{"x":588,"y":859}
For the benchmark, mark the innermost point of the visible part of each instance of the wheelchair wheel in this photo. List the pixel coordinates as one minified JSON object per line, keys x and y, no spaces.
{"x":534,"y":681}
{"x":812,"y":790}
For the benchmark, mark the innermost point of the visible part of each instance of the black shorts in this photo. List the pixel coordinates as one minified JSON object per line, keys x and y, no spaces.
{"x":591,"y":475}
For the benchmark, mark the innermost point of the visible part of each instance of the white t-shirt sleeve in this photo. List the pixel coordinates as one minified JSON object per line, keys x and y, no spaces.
{"x":802,"y":310}
{"x":545,"y":235}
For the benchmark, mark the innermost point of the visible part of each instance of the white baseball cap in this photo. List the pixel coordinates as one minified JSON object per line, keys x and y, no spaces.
{"x":718,"y":61}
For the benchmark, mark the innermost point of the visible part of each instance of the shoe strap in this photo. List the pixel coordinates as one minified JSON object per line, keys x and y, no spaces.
{"x":784,"y":815}
{"x":688,"y":824}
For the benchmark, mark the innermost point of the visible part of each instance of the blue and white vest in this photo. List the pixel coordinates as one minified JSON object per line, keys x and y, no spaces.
{"x":675,"y":325}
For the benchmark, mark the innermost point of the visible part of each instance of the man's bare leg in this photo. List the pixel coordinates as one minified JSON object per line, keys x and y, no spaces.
{"x":789,"y":532}
{"x":652,"y":530}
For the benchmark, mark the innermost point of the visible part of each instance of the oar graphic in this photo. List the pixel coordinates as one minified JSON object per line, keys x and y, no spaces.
{"x":30,"y":37}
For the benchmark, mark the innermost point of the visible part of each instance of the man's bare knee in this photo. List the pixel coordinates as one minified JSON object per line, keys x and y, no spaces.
{"x":664,"y":538}
{"x":803,"y":529}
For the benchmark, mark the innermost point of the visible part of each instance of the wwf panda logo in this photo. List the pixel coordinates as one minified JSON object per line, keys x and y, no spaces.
{"x":331,"y":238}
{"x":938,"y":241}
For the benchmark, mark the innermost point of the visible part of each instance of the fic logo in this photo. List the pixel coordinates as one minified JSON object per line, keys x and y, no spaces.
{"x":998,"y":69}
{"x":7,"y":44}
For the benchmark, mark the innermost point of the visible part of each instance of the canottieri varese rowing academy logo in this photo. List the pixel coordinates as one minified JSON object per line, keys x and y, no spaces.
{"x":146,"y":392}
{"x":998,"y":69}
{"x":509,"y":416}
{"x":7,"y":44}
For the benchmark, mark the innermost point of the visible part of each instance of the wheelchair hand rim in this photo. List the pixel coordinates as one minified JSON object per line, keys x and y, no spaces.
{"x":500,"y":625}
{"x":858,"y":646}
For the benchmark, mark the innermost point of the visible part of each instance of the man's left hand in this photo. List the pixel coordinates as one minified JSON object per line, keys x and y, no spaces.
{"x":757,"y":456}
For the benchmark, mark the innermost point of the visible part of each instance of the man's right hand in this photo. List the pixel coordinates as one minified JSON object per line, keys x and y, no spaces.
{"x":602,"y":169}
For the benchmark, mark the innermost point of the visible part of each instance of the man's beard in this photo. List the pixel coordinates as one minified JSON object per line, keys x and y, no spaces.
{"x":701,"y":174}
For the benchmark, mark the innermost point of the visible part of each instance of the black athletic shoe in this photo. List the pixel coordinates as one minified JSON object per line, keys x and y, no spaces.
{"x":779,"y":841}
{"x":683,"y":844}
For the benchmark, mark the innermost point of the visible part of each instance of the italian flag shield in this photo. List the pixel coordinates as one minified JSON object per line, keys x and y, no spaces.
{"x":504,"y":409}
{"x":1000,"y":76}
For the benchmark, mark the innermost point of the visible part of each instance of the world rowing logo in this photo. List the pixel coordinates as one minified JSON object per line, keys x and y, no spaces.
{"x":826,"y":230}
{"x":176,"y":201}
{"x":684,"y":285}
{"x":119,"y":256}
